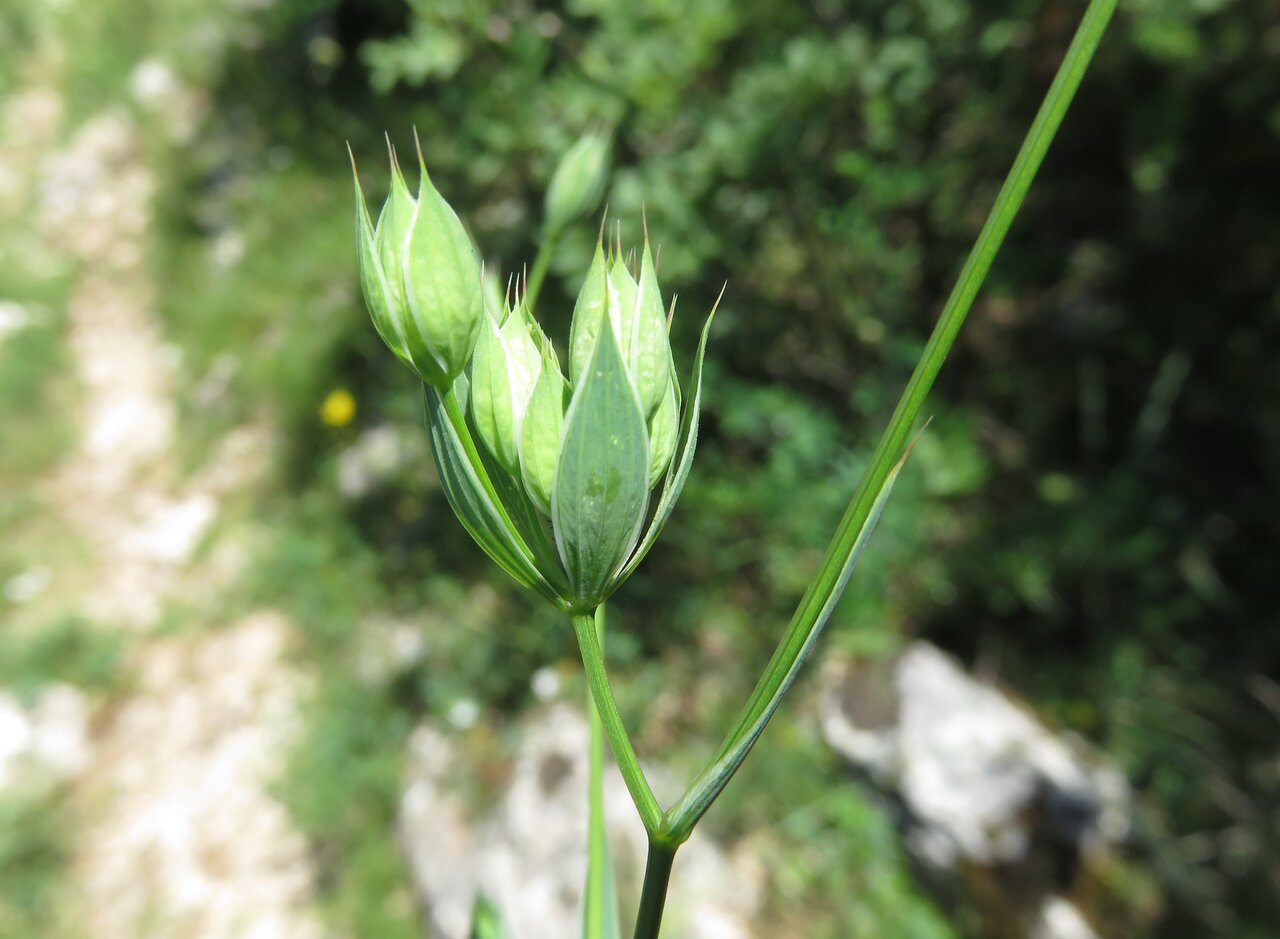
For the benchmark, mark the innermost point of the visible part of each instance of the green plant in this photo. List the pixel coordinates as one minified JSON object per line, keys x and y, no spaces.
{"x":35,"y":836}
{"x":67,"y":649}
{"x":565,"y":509}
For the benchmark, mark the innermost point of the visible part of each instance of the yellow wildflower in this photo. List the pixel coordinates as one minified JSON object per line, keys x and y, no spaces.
{"x":339,"y":408}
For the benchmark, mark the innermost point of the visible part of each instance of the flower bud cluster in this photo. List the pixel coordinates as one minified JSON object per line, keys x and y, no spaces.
{"x":551,"y":472}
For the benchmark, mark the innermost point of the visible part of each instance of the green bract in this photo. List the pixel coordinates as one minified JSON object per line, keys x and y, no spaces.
{"x":504,"y":371}
{"x":421,"y":278}
{"x":564,"y":481}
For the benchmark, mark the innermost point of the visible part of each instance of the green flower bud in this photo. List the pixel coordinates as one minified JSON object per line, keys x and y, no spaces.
{"x":504,"y":372}
{"x":588,"y":313}
{"x":635,"y":309}
{"x":565,"y":484}
{"x":540,"y":435}
{"x":578,"y":182}
{"x":421,"y":279}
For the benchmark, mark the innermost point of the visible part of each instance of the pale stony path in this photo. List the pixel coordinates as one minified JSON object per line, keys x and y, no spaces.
{"x":187,"y":843}
{"x":181,"y":839}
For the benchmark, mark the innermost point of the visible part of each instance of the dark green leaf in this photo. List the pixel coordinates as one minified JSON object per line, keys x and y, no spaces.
{"x":601,"y":489}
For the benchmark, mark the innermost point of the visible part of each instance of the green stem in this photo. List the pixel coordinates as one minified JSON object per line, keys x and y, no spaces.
{"x":541,"y":262}
{"x":597,"y":848}
{"x":826,"y":584}
{"x":619,"y":741}
{"x":653,"y":895}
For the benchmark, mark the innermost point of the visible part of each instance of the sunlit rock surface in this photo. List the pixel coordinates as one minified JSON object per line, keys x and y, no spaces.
{"x":527,"y":850}
{"x":990,"y":795}
{"x":49,"y":738}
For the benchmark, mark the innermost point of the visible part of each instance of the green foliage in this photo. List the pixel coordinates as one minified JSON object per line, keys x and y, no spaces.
{"x":486,"y":920}
{"x":68,"y":649}
{"x":837,"y":865}
{"x":34,"y":394}
{"x":341,"y":787}
{"x":35,"y":840}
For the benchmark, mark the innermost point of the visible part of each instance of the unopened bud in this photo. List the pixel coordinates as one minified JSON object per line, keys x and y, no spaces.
{"x":543,"y":425}
{"x":504,"y":372}
{"x":578,"y":182}
{"x":420,"y":278}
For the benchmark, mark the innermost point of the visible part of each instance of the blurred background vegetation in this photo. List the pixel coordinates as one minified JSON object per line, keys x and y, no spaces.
{"x":1091,"y":518}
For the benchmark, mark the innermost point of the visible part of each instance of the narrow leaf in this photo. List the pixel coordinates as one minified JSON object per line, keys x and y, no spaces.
{"x":601,"y":489}
{"x":486,"y":920}
{"x":802,"y":635}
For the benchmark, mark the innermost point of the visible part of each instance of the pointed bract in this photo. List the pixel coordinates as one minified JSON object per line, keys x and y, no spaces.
{"x":588,"y":313}
{"x":650,"y":350}
{"x":374,"y":284}
{"x":601,"y":490}
{"x":504,"y":372}
{"x":541,"y":432}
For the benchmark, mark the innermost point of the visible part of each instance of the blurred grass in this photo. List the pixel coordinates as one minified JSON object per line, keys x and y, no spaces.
{"x":67,"y":650}
{"x":36,"y":839}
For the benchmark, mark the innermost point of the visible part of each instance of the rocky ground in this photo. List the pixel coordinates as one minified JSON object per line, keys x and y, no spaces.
{"x":180,"y":836}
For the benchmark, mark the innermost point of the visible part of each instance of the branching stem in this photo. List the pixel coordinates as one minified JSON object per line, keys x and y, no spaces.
{"x":619,"y":741}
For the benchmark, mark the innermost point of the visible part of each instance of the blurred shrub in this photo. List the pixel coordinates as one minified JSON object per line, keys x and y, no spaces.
{"x":34,"y":848}
{"x":66,"y":650}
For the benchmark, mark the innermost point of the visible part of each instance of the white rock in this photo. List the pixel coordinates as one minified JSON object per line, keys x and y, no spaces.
{"x":153,"y":82}
{"x":369,"y":462}
{"x":29,"y":584}
{"x":1060,"y":919}
{"x":387,"y":647}
{"x":545,"y":683}
{"x":61,"y":742}
{"x":16,"y":731}
{"x":188,"y":840}
{"x":50,"y":739}
{"x":13,"y":317}
{"x":970,"y":765}
{"x":528,"y":852}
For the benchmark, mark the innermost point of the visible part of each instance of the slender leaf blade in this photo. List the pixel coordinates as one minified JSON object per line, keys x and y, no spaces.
{"x":802,"y":636}
{"x":486,"y":920}
{"x":600,"y":918}
{"x":869,"y":498}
